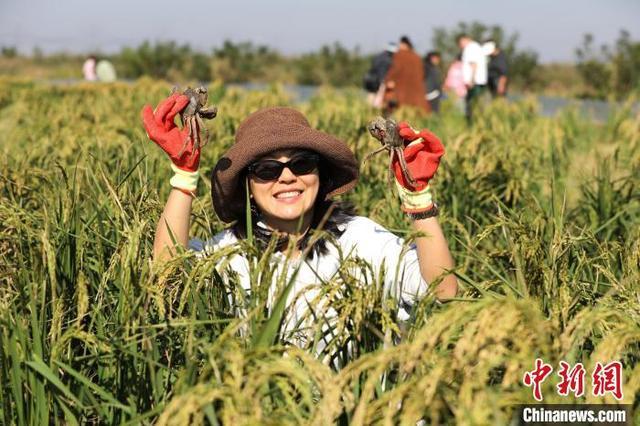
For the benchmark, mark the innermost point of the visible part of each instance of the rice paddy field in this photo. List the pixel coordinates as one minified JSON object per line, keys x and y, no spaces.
{"x":542,"y":217}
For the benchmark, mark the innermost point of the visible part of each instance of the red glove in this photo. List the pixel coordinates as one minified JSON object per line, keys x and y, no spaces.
{"x":422,"y":156}
{"x":162,"y":129}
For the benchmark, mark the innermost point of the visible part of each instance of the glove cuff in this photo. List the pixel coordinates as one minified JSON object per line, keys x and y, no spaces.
{"x":183,"y":179}
{"x":415,"y":201}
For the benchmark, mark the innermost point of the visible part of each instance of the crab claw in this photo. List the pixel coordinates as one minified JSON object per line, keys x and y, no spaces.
{"x":378,"y":134}
{"x":378,"y":128}
{"x":376,"y":131}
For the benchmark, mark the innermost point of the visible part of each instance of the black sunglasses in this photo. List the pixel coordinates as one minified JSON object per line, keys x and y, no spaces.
{"x":272,"y":169}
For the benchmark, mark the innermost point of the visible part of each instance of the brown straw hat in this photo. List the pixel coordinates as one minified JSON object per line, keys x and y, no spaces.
{"x":268,"y":130}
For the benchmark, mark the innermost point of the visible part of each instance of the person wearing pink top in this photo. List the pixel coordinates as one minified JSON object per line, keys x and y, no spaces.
{"x":454,"y":82}
{"x":89,"y":69}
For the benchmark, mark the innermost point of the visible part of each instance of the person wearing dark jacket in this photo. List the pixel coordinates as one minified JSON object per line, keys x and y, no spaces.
{"x":433,"y":80}
{"x":498,"y":69}
{"x":379,"y":67}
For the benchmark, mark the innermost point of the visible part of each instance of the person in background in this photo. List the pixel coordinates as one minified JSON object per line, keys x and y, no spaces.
{"x":498,"y":70}
{"x":106,"y":71}
{"x":474,"y":70}
{"x":433,"y":80}
{"x":89,"y":69}
{"x":454,"y":82}
{"x":404,"y":83}
{"x":373,"y":78}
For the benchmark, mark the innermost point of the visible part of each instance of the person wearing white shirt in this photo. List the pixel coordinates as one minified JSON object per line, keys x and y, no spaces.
{"x":474,"y":69}
{"x":277,"y":183}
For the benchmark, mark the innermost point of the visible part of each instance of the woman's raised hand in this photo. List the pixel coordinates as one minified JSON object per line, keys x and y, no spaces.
{"x":162,"y":129}
{"x":422,"y":154}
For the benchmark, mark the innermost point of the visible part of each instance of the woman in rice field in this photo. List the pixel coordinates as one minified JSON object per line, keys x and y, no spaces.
{"x":292,"y":173}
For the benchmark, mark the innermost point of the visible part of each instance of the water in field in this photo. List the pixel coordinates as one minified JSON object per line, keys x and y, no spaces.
{"x":549,"y":105}
{"x":592,"y":108}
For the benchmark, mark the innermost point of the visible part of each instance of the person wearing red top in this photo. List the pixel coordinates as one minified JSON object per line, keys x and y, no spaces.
{"x":405,"y":79}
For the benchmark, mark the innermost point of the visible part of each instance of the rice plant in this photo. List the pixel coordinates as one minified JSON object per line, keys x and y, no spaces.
{"x":542,"y":217}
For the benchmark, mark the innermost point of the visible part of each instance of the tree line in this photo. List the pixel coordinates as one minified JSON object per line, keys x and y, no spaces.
{"x":243,"y":62}
{"x":610,"y":71}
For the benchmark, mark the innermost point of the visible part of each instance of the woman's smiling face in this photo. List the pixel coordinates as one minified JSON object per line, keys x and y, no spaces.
{"x":284,"y":199}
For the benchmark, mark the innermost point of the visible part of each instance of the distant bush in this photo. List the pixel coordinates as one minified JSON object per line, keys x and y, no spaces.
{"x":242,"y":62}
{"x":163,"y":60}
{"x":611,"y":70}
{"x":8,"y":52}
{"x":333,"y":64}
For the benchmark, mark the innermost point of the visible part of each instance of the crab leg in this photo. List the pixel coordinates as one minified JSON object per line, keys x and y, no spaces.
{"x":405,"y":168}
{"x":390,"y":174}
{"x":186,"y":123}
{"x":204,"y":129}
{"x":184,"y":145}
{"x":371,"y":154}
{"x":196,"y":134}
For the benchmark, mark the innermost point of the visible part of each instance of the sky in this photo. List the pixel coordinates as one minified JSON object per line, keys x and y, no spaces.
{"x":553,"y":28}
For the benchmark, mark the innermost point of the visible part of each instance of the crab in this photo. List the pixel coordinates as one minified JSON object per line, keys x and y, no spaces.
{"x":386,"y":131}
{"x":192,"y":115}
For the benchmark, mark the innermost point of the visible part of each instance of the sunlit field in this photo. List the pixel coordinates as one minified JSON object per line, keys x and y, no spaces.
{"x":542,"y":217}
